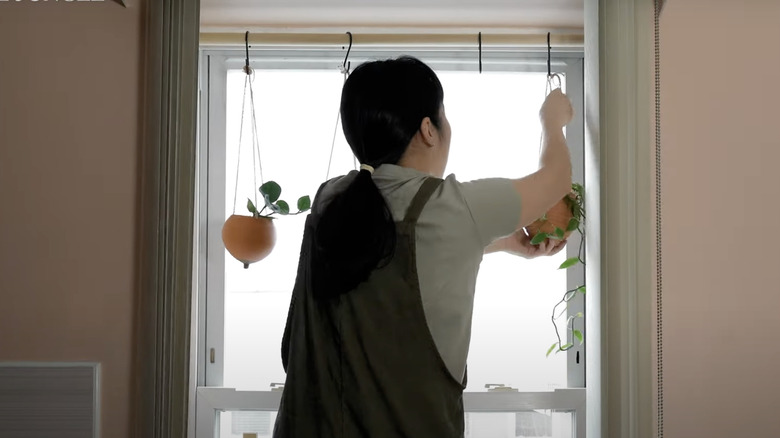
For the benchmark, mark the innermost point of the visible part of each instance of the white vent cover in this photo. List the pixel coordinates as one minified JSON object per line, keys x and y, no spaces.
{"x":49,"y":400}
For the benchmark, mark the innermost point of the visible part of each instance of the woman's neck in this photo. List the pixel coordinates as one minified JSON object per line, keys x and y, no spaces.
{"x":423,"y":162}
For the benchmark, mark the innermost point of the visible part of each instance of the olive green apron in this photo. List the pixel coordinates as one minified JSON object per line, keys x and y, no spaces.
{"x":364,"y":364}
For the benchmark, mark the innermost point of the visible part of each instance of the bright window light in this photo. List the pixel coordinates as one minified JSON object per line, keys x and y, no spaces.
{"x":494,"y":118}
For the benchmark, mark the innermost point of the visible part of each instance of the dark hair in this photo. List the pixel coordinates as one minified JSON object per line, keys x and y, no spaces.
{"x":383,"y":104}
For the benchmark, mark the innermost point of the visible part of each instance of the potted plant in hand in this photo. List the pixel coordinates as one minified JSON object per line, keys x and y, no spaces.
{"x":250,"y":239}
{"x":565,"y":217}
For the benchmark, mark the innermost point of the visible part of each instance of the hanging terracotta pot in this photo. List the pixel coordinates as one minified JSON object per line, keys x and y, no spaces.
{"x":249,"y":239}
{"x":557,"y":217}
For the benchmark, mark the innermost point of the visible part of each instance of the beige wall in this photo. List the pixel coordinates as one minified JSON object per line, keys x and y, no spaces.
{"x":69,"y":133}
{"x":721,"y":255}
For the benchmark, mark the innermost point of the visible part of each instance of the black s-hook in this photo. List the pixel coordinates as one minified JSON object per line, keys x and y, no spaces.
{"x":247,"y":70}
{"x":479,"y":38}
{"x":345,"y":66}
{"x":549,"y":49}
{"x":551,"y":77}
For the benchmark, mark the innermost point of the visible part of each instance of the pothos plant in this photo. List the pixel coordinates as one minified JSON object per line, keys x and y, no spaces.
{"x":271,"y":192}
{"x":548,"y":229}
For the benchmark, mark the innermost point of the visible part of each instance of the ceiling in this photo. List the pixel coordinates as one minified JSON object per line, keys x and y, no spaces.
{"x":509,"y":15}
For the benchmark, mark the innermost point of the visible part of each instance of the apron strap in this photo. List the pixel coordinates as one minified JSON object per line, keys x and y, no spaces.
{"x":421,"y":198}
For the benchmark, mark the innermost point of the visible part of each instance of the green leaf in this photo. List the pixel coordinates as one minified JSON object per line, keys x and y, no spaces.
{"x":580,"y":190}
{"x":578,"y":315}
{"x":559,"y":233}
{"x":566,"y":347}
{"x":573,"y":224}
{"x":271,"y":191}
{"x":251,"y":206}
{"x":539,"y":238}
{"x":284,"y":208}
{"x":581,"y":289}
{"x":577,"y":334}
{"x":552,"y":347}
{"x":304,"y":203}
{"x":569,"y":263}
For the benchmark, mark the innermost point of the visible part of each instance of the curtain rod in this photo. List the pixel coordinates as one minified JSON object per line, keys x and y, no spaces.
{"x":338,"y":39}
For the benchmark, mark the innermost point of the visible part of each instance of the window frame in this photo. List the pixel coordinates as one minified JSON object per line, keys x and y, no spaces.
{"x":209,"y":278}
{"x":212,"y":401}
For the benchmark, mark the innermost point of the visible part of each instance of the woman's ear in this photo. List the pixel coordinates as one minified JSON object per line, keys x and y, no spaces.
{"x":428,"y":132}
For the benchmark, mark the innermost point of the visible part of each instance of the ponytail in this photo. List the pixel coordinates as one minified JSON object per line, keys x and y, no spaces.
{"x":355,"y":235}
{"x":382,"y":106}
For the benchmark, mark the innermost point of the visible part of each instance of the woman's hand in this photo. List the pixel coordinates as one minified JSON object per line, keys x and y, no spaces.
{"x":520,"y":244}
{"x":556,"y":111}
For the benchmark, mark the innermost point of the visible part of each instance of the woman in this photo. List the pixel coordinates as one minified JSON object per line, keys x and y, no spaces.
{"x":380,"y":319}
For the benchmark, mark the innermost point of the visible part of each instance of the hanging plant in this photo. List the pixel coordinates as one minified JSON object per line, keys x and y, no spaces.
{"x":565,"y":217}
{"x":250,"y":239}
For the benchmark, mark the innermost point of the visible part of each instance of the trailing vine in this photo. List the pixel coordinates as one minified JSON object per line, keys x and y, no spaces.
{"x":576,"y":205}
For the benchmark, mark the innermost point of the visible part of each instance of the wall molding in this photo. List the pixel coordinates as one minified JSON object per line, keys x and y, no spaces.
{"x":619,"y":58}
{"x":165,"y":229}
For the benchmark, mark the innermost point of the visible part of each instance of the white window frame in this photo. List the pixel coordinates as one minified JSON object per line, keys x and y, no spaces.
{"x":212,"y":401}
{"x":211,"y":398}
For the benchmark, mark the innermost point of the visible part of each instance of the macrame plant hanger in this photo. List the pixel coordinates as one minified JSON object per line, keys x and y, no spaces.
{"x":565,"y":217}
{"x":249,"y":238}
{"x":257,"y":163}
{"x":344,"y":68}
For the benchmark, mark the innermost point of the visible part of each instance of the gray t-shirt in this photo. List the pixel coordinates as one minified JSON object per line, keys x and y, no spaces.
{"x":459,"y":221}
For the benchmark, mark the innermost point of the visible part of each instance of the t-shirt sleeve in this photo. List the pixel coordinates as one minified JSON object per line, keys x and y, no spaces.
{"x":494,"y":205}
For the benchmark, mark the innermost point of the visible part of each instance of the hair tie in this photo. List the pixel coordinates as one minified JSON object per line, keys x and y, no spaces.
{"x":367,"y":167}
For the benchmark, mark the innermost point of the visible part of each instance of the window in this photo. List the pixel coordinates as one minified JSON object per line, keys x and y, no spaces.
{"x":242,"y":312}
